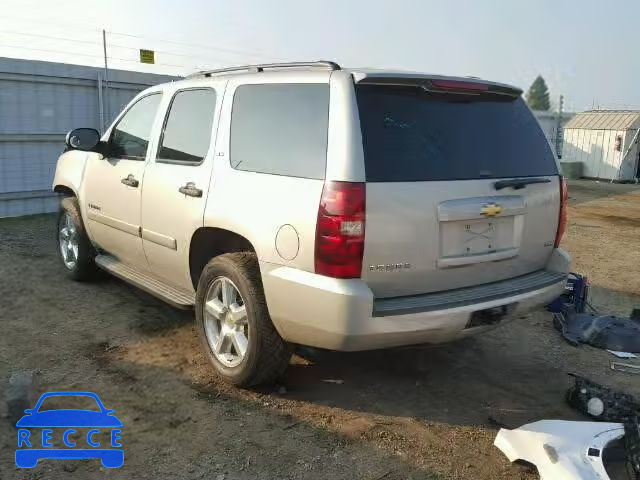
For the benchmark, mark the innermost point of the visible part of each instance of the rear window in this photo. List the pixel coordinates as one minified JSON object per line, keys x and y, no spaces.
{"x":410,"y":135}
{"x":280,"y":129}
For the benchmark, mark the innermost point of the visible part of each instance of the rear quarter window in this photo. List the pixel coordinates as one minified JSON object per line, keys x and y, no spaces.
{"x":280,"y":129}
{"x":410,"y":135}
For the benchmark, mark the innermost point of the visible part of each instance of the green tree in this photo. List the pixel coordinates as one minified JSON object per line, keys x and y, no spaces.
{"x":538,"y":95}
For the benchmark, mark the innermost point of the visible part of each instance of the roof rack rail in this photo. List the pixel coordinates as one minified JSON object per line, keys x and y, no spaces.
{"x":266,"y":66}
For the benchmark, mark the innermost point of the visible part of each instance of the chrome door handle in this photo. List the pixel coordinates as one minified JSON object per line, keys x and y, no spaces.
{"x":191,"y":190}
{"x":130,"y":181}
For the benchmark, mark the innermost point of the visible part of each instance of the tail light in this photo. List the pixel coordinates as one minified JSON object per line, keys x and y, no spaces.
{"x":562,"y":221}
{"x":340,"y":230}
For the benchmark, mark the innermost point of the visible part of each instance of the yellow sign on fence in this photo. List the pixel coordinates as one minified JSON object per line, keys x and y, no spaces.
{"x":147,"y":56}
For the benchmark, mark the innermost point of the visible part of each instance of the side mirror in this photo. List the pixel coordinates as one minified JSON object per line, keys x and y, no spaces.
{"x":86,"y":139}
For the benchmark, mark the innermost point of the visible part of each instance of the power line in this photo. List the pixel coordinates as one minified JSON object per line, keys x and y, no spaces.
{"x":198,"y":58}
{"x":50,"y":37}
{"x":96,"y":29}
{"x":209,"y":47}
{"x":46,"y":50}
{"x":165,"y":52}
{"x":60,"y":22}
{"x":160,"y":64}
{"x":111,"y":45}
{"x":54,"y":22}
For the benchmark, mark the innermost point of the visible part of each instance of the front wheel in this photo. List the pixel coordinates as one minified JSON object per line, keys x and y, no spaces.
{"x":76,"y":252}
{"x":234,"y":324}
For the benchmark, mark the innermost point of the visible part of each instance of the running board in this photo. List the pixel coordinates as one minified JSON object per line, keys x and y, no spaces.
{"x":145,"y":281}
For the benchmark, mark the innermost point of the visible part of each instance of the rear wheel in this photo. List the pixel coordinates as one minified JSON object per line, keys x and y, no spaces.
{"x":75,"y":249}
{"x":234,"y":324}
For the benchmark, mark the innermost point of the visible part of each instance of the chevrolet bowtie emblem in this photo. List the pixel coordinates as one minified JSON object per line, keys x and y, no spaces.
{"x":491,"y":210}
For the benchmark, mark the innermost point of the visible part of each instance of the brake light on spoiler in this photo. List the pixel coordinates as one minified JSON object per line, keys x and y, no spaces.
{"x":459,"y":85}
{"x":464,"y":87}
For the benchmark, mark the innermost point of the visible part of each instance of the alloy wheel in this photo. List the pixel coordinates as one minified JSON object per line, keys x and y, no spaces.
{"x":68,"y":241}
{"x":225,"y":322}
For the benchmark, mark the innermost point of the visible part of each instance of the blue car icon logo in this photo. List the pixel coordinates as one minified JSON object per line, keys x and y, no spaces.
{"x":31,"y":447}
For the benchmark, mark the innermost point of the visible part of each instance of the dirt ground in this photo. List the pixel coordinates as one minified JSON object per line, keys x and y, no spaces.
{"x":419,"y":413}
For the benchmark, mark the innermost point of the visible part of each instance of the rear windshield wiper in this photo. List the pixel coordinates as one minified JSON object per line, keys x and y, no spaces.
{"x":518,"y":183}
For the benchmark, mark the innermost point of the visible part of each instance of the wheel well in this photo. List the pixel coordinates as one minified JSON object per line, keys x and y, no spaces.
{"x":66,"y":191}
{"x":209,"y":242}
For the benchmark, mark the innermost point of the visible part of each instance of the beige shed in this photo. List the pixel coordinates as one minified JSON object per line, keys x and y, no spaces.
{"x":605,"y":142}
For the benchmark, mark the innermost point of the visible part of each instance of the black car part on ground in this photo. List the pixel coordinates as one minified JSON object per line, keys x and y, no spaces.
{"x":602,"y":403}
{"x":632,"y":442}
{"x":576,"y":294}
{"x":602,"y":331}
{"x":607,"y":405}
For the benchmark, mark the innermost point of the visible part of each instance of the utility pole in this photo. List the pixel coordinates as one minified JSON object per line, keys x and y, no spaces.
{"x":559,"y":135}
{"x":106,"y":78}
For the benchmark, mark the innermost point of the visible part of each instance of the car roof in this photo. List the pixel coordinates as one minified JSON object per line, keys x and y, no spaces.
{"x":310,"y":69}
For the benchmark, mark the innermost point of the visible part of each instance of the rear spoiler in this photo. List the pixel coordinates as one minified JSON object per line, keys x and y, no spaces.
{"x":445,"y":85}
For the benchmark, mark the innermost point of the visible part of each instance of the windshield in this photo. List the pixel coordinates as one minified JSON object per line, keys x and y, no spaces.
{"x":410,"y":135}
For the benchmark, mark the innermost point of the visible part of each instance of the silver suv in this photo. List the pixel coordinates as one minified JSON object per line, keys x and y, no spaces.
{"x":308,"y":204}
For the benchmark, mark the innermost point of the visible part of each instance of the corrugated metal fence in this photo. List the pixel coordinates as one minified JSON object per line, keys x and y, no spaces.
{"x":39,"y":103}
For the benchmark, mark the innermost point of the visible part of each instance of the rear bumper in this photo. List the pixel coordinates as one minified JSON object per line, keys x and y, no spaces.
{"x":323,"y":312}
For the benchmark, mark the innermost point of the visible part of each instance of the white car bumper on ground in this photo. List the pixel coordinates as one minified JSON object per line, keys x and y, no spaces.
{"x":561,"y":450}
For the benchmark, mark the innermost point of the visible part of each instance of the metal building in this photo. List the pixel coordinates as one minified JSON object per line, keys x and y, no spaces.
{"x":39,"y":103}
{"x":605,"y":142}
{"x":552,"y":125}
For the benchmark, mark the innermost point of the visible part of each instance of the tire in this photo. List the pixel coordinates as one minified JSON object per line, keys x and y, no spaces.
{"x":80,"y":266}
{"x":266,"y":354}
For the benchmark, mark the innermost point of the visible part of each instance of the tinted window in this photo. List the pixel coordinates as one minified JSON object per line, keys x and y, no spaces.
{"x":130,"y":137}
{"x":280,"y":129}
{"x":187,"y":133}
{"x":409,"y":135}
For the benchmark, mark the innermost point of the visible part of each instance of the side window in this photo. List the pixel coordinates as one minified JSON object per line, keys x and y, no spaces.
{"x":187,"y":131}
{"x":280,"y":129}
{"x":130,"y":137}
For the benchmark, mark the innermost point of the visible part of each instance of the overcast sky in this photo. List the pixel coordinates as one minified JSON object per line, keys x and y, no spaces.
{"x":585,"y":49}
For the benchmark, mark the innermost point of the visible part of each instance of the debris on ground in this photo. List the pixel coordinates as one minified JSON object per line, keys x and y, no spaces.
{"x":622,"y":354}
{"x":632,"y":442}
{"x":21,"y":394}
{"x":576,"y":294}
{"x":337,"y":381}
{"x":609,"y":332}
{"x":560,"y":449}
{"x":608,"y":405}
{"x":618,"y":335}
{"x":625,"y":367}
{"x":602,"y":403}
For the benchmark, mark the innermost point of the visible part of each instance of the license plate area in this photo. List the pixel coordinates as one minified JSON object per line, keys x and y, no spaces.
{"x":479,"y":229}
{"x":476,"y":237}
